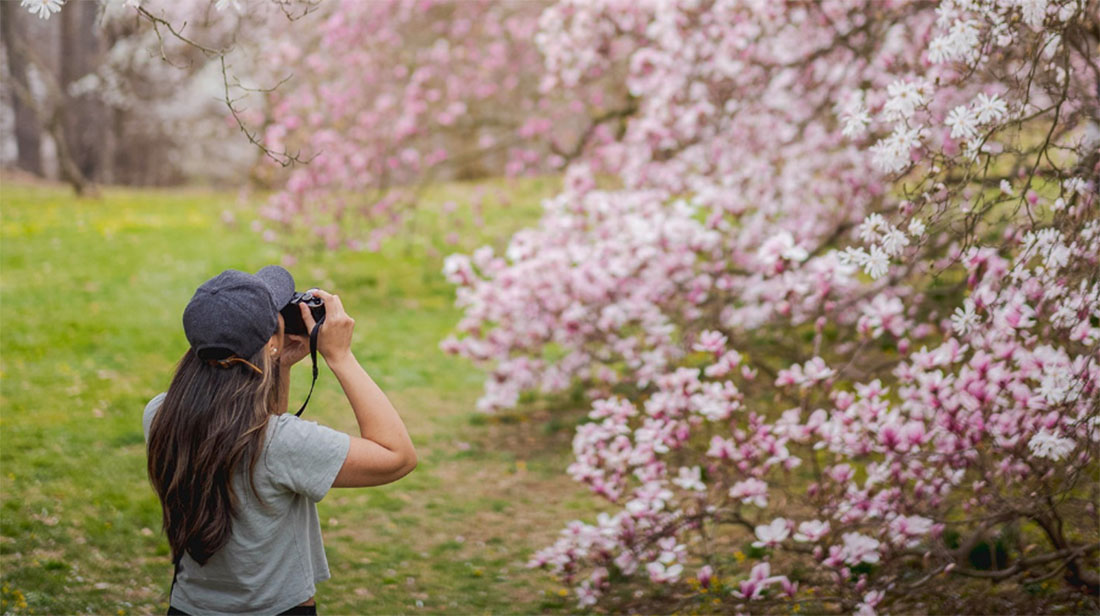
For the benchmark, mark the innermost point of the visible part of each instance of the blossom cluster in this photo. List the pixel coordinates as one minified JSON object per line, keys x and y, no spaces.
{"x":391,"y":94}
{"x":845,"y":303}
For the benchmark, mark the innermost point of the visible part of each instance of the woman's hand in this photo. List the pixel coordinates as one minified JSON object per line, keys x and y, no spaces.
{"x":295,"y":349}
{"x":334,"y":339}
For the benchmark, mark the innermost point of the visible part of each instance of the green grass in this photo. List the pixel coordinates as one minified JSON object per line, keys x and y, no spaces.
{"x":91,"y":298}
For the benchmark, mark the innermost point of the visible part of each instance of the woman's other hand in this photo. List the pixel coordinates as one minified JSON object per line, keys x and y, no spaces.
{"x":295,"y":349}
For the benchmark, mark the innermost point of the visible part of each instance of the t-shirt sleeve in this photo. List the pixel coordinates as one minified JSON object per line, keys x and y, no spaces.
{"x":151,"y":411}
{"x":304,"y":456}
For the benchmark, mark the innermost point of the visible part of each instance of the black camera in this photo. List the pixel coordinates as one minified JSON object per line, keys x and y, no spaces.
{"x":292,"y":314}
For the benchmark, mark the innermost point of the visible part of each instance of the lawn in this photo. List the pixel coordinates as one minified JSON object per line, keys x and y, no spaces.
{"x":91,"y":299}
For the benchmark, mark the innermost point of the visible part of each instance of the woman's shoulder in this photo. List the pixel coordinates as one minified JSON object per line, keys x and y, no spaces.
{"x":302,"y":455}
{"x":296,"y":441}
{"x":288,"y":428}
{"x":155,"y":403}
{"x":150,"y":411}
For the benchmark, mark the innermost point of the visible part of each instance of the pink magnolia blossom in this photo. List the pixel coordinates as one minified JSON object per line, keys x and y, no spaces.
{"x":751,"y":492}
{"x":773,"y":534}
{"x":760,"y":579}
{"x":811,"y":531}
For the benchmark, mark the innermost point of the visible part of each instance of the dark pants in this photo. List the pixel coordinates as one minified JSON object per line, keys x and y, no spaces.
{"x":297,"y":610}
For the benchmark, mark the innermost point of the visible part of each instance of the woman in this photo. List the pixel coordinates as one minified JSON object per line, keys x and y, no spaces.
{"x":237,"y":476}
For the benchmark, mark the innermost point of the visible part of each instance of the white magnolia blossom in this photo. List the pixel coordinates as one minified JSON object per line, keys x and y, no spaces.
{"x":859,"y":548}
{"x":893,"y":241}
{"x":905,"y":97}
{"x":878,"y":263}
{"x":892,"y":154}
{"x":1076,"y":185}
{"x":690,"y":479}
{"x":964,"y":318}
{"x":963,"y":122}
{"x":871,"y":228}
{"x":781,"y":246}
{"x":855,"y":117}
{"x":989,"y":108}
{"x":659,"y":572}
{"x":751,"y":492}
{"x":772,"y":534}
{"x":1057,"y":387}
{"x":1047,"y":445}
{"x":960,"y":43}
{"x":811,"y":531}
{"x":42,"y":8}
{"x":1033,"y":12}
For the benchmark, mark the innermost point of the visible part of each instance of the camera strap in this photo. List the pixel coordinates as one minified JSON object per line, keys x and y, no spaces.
{"x":312,"y":356}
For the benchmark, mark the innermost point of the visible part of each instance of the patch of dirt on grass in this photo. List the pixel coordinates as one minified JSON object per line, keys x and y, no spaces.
{"x":18,"y":176}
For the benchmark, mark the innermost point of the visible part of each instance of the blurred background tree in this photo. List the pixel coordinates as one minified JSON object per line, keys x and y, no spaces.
{"x":98,"y":96}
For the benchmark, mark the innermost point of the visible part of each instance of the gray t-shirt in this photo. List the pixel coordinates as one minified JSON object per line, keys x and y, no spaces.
{"x":274,"y":556}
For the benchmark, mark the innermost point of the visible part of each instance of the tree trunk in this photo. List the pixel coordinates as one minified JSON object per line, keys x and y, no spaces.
{"x":84,"y":120}
{"x":48,"y":115}
{"x":27,"y":130}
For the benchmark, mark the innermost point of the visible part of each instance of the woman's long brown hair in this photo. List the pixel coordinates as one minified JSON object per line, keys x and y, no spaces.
{"x":212,"y":419}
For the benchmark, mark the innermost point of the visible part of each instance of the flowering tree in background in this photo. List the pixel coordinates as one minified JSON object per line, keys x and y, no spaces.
{"x":148,"y":84}
{"x":367,"y":102}
{"x":398,"y":93}
{"x":842,"y":315}
{"x":394,"y":92}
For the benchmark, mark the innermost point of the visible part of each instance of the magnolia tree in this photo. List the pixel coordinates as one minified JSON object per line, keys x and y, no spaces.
{"x":390,"y":95}
{"x":839,"y":322}
{"x":359,"y":105}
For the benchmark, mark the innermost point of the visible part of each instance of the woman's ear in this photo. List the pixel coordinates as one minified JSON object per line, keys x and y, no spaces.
{"x":276,"y":341}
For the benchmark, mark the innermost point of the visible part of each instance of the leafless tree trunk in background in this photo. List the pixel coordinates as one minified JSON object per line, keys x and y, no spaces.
{"x":27,"y":130}
{"x":48,"y":113}
{"x":85,"y":119}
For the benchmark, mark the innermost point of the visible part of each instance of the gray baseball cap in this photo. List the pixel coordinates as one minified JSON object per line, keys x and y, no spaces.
{"x":235,"y":313}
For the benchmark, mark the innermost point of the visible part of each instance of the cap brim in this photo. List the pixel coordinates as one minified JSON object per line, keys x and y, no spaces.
{"x":280,"y":282}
